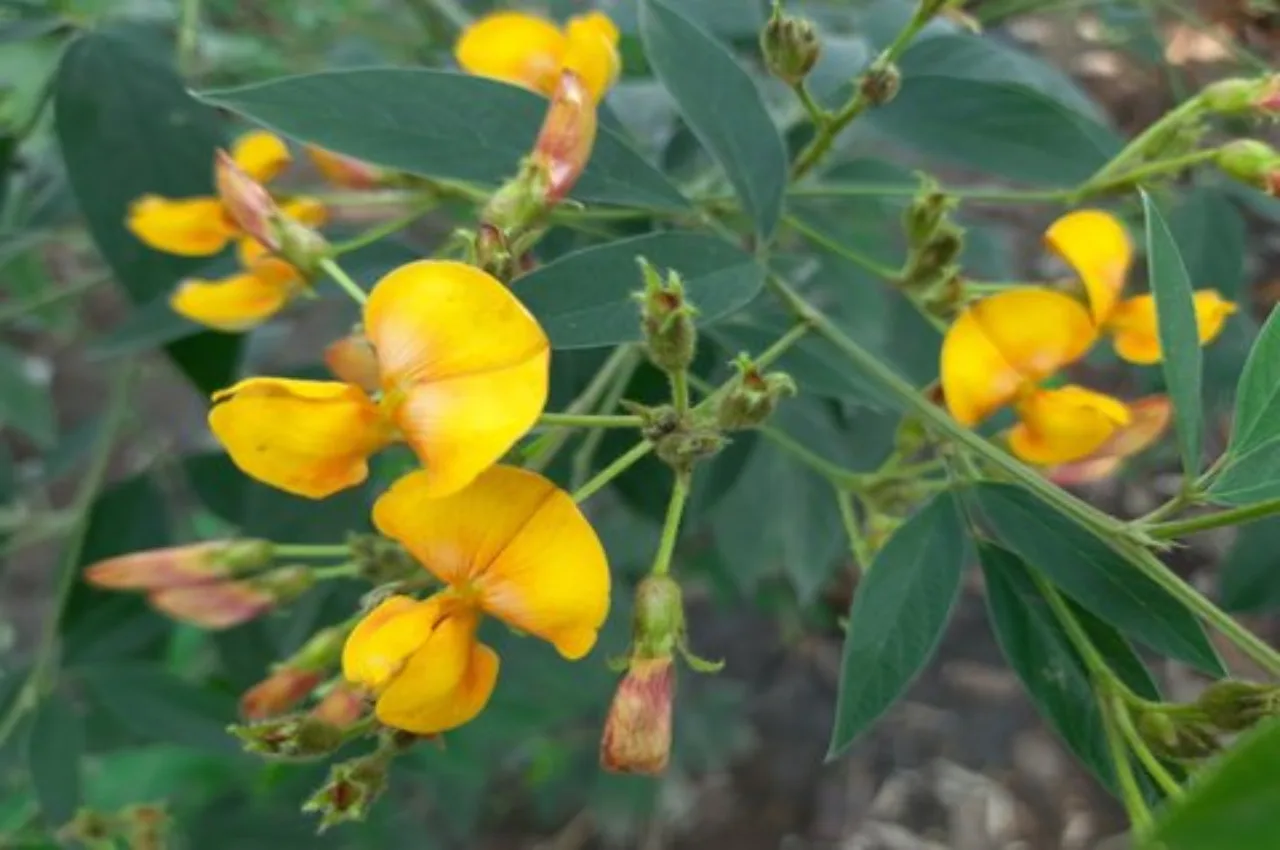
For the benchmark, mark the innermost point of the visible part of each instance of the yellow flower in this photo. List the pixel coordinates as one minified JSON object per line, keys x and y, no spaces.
{"x":1149,"y":418}
{"x":1064,"y":424}
{"x":511,"y":545}
{"x":462,"y":373}
{"x":1096,"y":245}
{"x":531,"y":51}
{"x":201,"y":227}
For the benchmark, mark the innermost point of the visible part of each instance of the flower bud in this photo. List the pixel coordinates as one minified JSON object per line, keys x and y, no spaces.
{"x":493,"y":253}
{"x":753,"y":397}
{"x":1253,"y":162}
{"x":246,"y":201}
{"x":295,"y":737}
{"x":219,"y":605}
{"x":790,"y":46}
{"x":879,"y":85}
{"x":1178,"y":739}
{"x":343,"y":706}
{"x":1234,"y":706}
{"x":942,"y":249}
{"x":382,"y":560}
{"x":928,"y":210}
{"x":568,"y":133}
{"x":175,"y":566}
{"x":90,"y":827}
{"x":1237,"y":95}
{"x":352,"y":360}
{"x":519,"y":202}
{"x":286,"y":584}
{"x":657,"y":625}
{"x":146,"y":827}
{"x":685,"y":447}
{"x":279,"y":692}
{"x":350,"y":791}
{"x":637,"y":731}
{"x":346,"y":171}
{"x":666,"y":318}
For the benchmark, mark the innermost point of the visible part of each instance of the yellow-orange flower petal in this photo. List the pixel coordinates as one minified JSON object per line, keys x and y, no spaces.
{"x":1000,"y":343}
{"x":1149,"y":418}
{"x":1134,"y":325}
{"x":345,"y":171}
{"x":401,"y":705}
{"x":352,"y":359}
{"x":514,"y":47}
{"x":1096,"y":245}
{"x":261,"y":155}
{"x":190,"y":227}
{"x":383,"y":640}
{"x":1064,"y":424}
{"x":235,"y":303}
{"x":516,"y":542}
{"x":591,"y":51}
{"x":306,"y":210}
{"x":310,"y":438}
{"x":464,"y":366}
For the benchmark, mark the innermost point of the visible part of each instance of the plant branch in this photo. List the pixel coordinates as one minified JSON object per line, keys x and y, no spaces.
{"x":1137,"y":148}
{"x":820,"y":239}
{"x":589,"y":420}
{"x":624,"y":359}
{"x":1220,"y":519}
{"x":381,"y":231}
{"x":620,"y":465}
{"x":671,"y":525}
{"x":1158,"y":168}
{"x":344,"y":280}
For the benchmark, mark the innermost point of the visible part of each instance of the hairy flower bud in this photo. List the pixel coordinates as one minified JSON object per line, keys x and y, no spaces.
{"x":343,"y":706}
{"x":657,"y":625}
{"x":351,"y":790}
{"x":685,"y":447}
{"x":567,"y":136}
{"x":880,"y":84}
{"x":928,"y":210}
{"x":1176,"y":738}
{"x":382,"y":560}
{"x":279,"y":692}
{"x":790,"y":46}
{"x":294,"y":737}
{"x":1253,"y":162}
{"x":666,"y":318}
{"x":753,"y":396}
{"x":637,"y":731}
{"x":1260,"y":95}
{"x":246,"y":201}
{"x":1234,"y":706}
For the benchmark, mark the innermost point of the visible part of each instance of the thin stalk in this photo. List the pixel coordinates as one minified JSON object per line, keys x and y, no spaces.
{"x":1142,"y":172}
{"x":671,"y":525}
{"x":817,"y":115}
{"x":348,"y":570}
{"x":1153,"y":766}
{"x":344,"y":280}
{"x":859,"y":190}
{"x":1220,"y":519}
{"x":589,"y":420}
{"x":620,"y":465}
{"x":1136,"y":148}
{"x":1130,"y":792}
{"x":849,"y":519}
{"x":820,"y":239}
{"x":310,"y":550}
{"x":539,"y":454}
{"x":679,"y":391}
{"x":386,"y":228}
{"x":840,"y":478}
{"x":582,"y":458}
{"x":188,"y":35}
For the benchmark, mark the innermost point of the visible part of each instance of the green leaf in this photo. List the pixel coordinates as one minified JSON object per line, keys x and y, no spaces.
{"x":438,"y":124}
{"x":53,"y":758}
{"x":1179,"y":338}
{"x":158,"y":706}
{"x":584,"y":299}
{"x":1249,"y":579}
{"x":722,"y":106}
{"x":996,"y":127}
{"x":1252,"y":469}
{"x":1088,"y":571}
{"x":898,"y":616}
{"x":147,"y":327}
{"x":25,"y":407}
{"x":1231,"y":803}
{"x":127,"y":127}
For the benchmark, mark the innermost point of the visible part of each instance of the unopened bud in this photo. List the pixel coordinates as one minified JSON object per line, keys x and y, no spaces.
{"x":655,"y":422}
{"x":286,"y":584}
{"x":300,"y":245}
{"x":879,"y":85}
{"x":685,"y":447}
{"x":567,"y":136}
{"x":666,"y":318}
{"x":175,"y":566}
{"x":246,"y":201}
{"x":350,"y":791}
{"x":218,"y":605}
{"x":1259,"y":95}
{"x":90,"y":827}
{"x":942,"y":249}
{"x":245,"y":556}
{"x":280,"y":692}
{"x":493,"y":253}
{"x":928,"y":209}
{"x":1234,"y":706}
{"x":753,"y":397}
{"x":637,"y":731}
{"x":946,"y":296}
{"x":382,"y":560}
{"x":346,"y":171}
{"x":1175,"y":738}
{"x":296,"y":737}
{"x":343,"y":706}
{"x":790,"y":46}
{"x":657,"y":625}
{"x":519,"y":202}
{"x":1253,"y":162}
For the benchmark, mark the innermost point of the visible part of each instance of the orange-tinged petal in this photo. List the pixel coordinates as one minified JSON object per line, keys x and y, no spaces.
{"x":190,"y":227}
{"x":1000,"y":343}
{"x":345,"y":171}
{"x":402,"y":707}
{"x":342,"y":706}
{"x":261,"y":155}
{"x":517,"y":542}
{"x":279,"y":692}
{"x":381,"y":644}
{"x":310,"y":438}
{"x":1135,"y":328}
{"x":592,"y":51}
{"x":220,"y":605}
{"x":174,"y":566}
{"x":1065,"y":424}
{"x":1097,"y":246}
{"x":235,"y":303}
{"x":463,"y":364}
{"x":568,"y":134}
{"x":514,"y":47}
{"x":1149,"y":418}
{"x":352,"y":359}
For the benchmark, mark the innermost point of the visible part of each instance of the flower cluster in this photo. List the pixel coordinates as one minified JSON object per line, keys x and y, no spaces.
{"x":1002,"y":348}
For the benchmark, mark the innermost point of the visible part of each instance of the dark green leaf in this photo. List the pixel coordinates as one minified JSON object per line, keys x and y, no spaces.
{"x":1179,"y":338}
{"x":584,"y":299}
{"x":1088,"y":571}
{"x":1232,"y":803}
{"x":127,"y":127}
{"x":898,"y":616}
{"x":147,"y":327}
{"x":53,"y":757}
{"x":438,"y":124}
{"x":158,"y":706}
{"x":721,"y":104}
{"x":1252,"y":471}
{"x":30,"y":28}
{"x":1249,"y":579}
{"x":25,"y":407}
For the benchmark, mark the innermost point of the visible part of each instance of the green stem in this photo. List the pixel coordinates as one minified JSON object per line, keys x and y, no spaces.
{"x":1130,"y":792}
{"x":386,"y":228}
{"x":448,"y":11}
{"x":671,"y":526}
{"x":541,"y":452}
{"x":1155,"y":769}
{"x":840,"y":478}
{"x":348,"y":570}
{"x":1142,"y":172}
{"x":679,"y":391}
{"x":586,"y":453}
{"x":589,"y":420}
{"x":817,"y":115}
{"x":188,"y":33}
{"x":310,"y":550}
{"x":1137,"y":148}
{"x":1234,"y":516}
{"x":343,"y":280}
{"x":859,"y":190}
{"x":612,"y":471}
{"x":820,"y":239}
{"x":849,"y":519}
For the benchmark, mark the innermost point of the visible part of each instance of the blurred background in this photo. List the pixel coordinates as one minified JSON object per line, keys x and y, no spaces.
{"x":94,"y":464}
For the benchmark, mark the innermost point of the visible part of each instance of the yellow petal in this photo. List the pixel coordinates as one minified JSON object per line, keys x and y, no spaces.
{"x":1096,"y":245}
{"x":463,"y":365}
{"x":233,"y":304}
{"x":261,"y":155}
{"x":310,"y":438}
{"x":381,"y":647}
{"x":592,"y":51}
{"x":1149,"y":418}
{"x":402,"y":707}
{"x":345,"y":171}
{"x":517,"y":542}
{"x":1003,"y":342}
{"x":190,"y":227}
{"x":306,"y":210}
{"x":1065,"y":424}
{"x":517,"y":48}
{"x":1135,"y":328}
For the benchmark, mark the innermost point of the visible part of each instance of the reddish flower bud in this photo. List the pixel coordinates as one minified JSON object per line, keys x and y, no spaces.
{"x":247,"y":202}
{"x":568,"y":133}
{"x":353,"y":361}
{"x":279,"y":692}
{"x":637,"y":732}
{"x":176,"y":566}
{"x":667,"y":319}
{"x":219,"y":605}
{"x":345,"y":171}
{"x":342,"y":707}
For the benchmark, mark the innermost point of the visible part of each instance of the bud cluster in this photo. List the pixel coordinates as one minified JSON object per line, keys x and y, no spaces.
{"x":931,"y":276}
{"x":789,"y":45}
